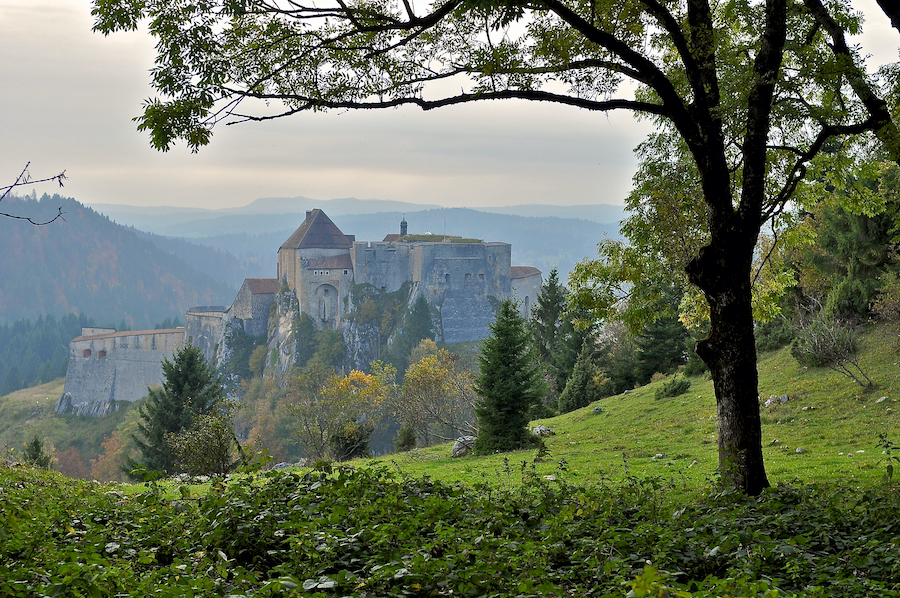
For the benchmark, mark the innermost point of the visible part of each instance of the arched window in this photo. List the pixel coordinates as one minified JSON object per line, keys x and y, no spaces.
{"x":86,"y":353}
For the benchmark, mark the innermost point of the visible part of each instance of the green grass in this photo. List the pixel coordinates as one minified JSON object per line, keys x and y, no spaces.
{"x":599,"y":516}
{"x":834,"y":422}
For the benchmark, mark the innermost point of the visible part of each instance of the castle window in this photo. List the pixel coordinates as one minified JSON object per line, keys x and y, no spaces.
{"x":481,"y":277}
{"x":326,"y":292}
{"x":326,"y":272}
{"x":346,"y":272}
{"x":86,"y":353}
{"x":101,"y":353}
{"x":447,"y":278}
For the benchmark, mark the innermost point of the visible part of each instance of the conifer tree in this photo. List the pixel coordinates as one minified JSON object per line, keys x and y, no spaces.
{"x":586,"y":384}
{"x":508,"y":384}
{"x":190,"y":389}
{"x":546,"y":317}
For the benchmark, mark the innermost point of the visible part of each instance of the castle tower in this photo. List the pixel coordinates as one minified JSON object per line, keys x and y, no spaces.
{"x":315,"y":263}
{"x":403,"y":227}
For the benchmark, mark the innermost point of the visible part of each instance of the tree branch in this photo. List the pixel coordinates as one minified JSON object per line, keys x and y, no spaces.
{"x":24,"y":178}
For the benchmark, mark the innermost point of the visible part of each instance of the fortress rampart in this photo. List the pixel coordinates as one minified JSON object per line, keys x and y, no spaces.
{"x":115,"y":366}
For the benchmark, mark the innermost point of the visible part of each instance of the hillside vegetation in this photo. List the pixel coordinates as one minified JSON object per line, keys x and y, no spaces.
{"x":88,"y":264}
{"x":625,"y":499}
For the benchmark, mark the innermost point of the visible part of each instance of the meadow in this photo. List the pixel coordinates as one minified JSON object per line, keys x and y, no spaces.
{"x":620,"y":501}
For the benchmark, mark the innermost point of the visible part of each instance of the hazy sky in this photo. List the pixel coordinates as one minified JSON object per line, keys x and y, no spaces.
{"x":68,"y":96}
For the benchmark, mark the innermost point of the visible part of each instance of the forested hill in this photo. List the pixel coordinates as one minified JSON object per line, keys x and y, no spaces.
{"x":91,"y":265}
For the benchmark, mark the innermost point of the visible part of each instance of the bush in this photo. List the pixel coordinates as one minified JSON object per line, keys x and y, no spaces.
{"x":208,"y":449}
{"x":672,"y":388}
{"x":405,"y":439}
{"x":825,"y":342}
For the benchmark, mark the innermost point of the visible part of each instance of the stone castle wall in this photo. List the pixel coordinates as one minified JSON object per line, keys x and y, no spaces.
{"x":119,"y":366}
{"x":203,"y":328}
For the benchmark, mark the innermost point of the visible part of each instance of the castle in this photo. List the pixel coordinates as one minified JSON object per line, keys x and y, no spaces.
{"x":318,"y":266}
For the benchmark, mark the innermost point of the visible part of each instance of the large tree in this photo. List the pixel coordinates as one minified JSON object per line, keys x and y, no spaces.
{"x":751,"y":90}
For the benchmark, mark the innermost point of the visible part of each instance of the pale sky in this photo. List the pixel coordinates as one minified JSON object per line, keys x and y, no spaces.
{"x":68,"y":96}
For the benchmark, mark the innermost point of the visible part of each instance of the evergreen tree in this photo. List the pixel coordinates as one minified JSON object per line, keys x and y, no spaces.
{"x":190,"y":389}
{"x":660,"y":348}
{"x":34,"y":454}
{"x":572,"y":339}
{"x":418,"y":325}
{"x":508,"y":384}
{"x":547,"y":318}
{"x":586,"y":384}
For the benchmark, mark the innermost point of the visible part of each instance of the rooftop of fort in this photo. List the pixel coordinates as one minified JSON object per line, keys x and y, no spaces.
{"x":104,"y":335}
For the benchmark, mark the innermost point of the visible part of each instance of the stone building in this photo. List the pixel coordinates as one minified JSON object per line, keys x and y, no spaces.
{"x":251,"y":305}
{"x":106,"y":366}
{"x":461,"y":278}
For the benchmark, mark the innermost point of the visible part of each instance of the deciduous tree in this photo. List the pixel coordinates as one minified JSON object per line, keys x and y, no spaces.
{"x":436,"y":399}
{"x":750,"y":92}
{"x":335,"y":414}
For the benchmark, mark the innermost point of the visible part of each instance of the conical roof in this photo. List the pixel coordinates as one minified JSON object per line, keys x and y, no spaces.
{"x":319,"y":232}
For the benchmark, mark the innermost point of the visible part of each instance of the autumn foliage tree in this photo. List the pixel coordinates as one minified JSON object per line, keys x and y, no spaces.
{"x":336,"y":414}
{"x":436,"y":399}
{"x":746,"y":96}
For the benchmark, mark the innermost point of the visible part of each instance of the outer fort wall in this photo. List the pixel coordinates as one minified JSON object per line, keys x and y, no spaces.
{"x":118,"y":366}
{"x":203,"y":327}
{"x":383,"y":265}
{"x":460,"y":279}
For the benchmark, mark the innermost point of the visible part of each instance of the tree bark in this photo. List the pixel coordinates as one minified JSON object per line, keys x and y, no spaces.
{"x":723,"y":271}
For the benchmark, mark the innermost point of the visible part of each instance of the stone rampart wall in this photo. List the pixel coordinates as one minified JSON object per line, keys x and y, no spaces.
{"x":116,"y":367}
{"x":203,"y":328}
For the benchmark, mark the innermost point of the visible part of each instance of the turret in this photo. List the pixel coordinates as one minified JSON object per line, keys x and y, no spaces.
{"x":403,"y":227}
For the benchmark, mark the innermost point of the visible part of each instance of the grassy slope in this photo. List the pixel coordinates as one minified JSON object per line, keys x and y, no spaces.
{"x":828,"y":416}
{"x":832,"y":420}
{"x":30,"y":411}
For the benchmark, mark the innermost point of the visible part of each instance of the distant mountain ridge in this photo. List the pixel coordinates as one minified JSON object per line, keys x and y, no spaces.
{"x":89,"y":264}
{"x":543,"y":236}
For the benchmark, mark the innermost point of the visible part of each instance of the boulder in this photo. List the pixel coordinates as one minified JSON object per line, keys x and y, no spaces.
{"x":543,"y":430}
{"x":463,"y":446}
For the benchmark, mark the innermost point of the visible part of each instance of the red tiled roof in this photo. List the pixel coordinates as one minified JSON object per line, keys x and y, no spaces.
{"x":317,"y":231}
{"x":129,"y":333}
{"x":262,"y":286}
{"x":522,"y":271}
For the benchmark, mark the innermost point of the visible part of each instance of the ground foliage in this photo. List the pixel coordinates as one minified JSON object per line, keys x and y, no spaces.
{"x":363,"y":533}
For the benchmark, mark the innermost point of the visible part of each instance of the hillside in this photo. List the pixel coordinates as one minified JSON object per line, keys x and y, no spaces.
{"x":624,"y":499}
{"x":89,"y":264}
{"x":828,"y":430}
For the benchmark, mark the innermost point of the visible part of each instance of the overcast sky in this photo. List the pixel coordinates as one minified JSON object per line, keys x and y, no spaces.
{"x":68,"y":96}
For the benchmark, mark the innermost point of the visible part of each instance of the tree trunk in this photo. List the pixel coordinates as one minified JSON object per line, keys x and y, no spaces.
{"x":723,"y":273}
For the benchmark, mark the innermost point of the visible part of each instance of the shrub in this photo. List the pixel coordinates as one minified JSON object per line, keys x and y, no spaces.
{"x":405,"y":439}
{"x":825,"y":342}
{"x":672,"y":388}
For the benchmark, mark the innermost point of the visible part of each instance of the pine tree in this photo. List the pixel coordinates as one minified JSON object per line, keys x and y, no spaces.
{"x":190,"y":389}
{"x":546,"y":317}
{"x":508,"y":384}
{"x":586,"y":384}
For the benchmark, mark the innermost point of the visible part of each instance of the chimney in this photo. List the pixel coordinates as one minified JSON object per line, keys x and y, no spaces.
{"x":308,"y":214}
